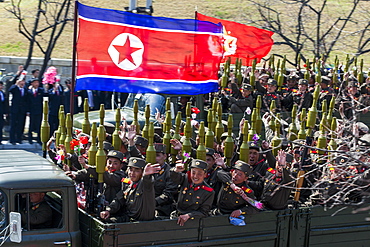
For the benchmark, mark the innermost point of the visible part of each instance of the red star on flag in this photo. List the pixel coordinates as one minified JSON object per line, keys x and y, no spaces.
{"x":125,"y":51}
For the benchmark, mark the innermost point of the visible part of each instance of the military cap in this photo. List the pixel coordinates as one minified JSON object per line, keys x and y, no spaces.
{"x":244,"y":167}
{"x":263,"y":76}
{"x":141,"y":141}
{"x":160,"y":148}
{"x":247,"y":87}
{"x":115,"y":154}
{"x":298,"y":143}
{"x":210,"y":151}
{"x":272,"y":82}
{"x":325,"y":79}
{"x":199,"y":164}
{"x":107,"y":146}
{"x":292,"y":77}
{"x":225,"y":134}
{"x":34,"y":79}
{"x":136,"y":162}
{"x":254,"y":145}
{"x":352,"y":81}
{"x":303,"y":82}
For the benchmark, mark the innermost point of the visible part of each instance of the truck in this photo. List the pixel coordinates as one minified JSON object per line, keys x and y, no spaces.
{"x":22,"y":173}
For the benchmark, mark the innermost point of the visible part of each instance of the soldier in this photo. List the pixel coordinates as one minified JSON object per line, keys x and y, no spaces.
{"x":239,"y":105}
{"x":112,"y":176}
{"x":349,"y":104}
{"x":40,"y":213}
{"x":326,"y":92}
{"x":165,"y":189}
{"x":195,"y":197}
{"x":136,"y":200}
{"x":259,"y":166}
{"x":291,"y":85}
{"x":230,"y":200}
{"x":137,"y":145}
{"x":269,"y":95}
{"x":302,"y":98}
{"x":275,"y":196}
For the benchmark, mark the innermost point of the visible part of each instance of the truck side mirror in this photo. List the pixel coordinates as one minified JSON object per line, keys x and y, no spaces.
{"x":15,"y":227}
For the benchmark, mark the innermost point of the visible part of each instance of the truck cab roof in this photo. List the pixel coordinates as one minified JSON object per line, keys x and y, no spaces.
{"x":22,"y":169}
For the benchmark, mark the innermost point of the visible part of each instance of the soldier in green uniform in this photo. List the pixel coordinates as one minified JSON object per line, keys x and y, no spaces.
{"x":195,"y":197}
{"x":259,"y":166}
{"x":301,"y":97}
{"x":269,"y":95}
{"x":137,"y":145}
{"x":136,"y":200}
{"x":215,"y":163}
{"x":112,"y":176}
{"x":165,"y":188}
{"x":291,"y":85}
{"x":274,"y":195}
{"x":40,"y":213}
{"x":229,"y":200}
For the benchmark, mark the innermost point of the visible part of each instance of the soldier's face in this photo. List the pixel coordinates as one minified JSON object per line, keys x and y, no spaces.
{"x":253,"y":156}
{"x":291,"y":83}
{"x":36,"y":197}
{"x":271,"y":88}
{"x":135,"y":173}
{"x":113,"y":165}
{"x":160,"y":158}
{"x":302,"y":88}
{"x":238,"y":177}
{"x":210,"y":161}
{"x":197,"y":175}
{"x":141,"y":149}
{"x":246,"y":93}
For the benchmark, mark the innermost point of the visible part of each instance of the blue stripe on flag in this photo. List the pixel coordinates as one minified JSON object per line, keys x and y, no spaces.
{"x":145,"y":86}
{"x":117,"y":16}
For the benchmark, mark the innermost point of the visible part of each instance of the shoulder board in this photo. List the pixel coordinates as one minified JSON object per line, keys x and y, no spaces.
{"x":271,"y":170}
{"x":247,"y":190}
{"x":126,"y":180}
{"x":294,"y":90}
{"x":207,"y":188}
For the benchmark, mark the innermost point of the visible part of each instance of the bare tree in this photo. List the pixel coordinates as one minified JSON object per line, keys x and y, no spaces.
{"x":43,"y":28}
{"x":313,"y":26}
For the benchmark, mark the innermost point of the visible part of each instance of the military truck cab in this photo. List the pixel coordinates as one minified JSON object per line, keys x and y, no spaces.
{"x":54,"y":221}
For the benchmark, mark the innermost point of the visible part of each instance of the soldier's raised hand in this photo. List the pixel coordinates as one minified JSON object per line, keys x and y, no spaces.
{"x":176,"y":144}
{"x":131,"y":132}
{"x":281,"y":158}
{"x":179,"y":167}
{"x":151,"y":169}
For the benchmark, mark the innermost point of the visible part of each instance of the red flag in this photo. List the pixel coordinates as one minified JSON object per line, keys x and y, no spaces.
{"x":243,"y":41}
{"x":126,"y":52}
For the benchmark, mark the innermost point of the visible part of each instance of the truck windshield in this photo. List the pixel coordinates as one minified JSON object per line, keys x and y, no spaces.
{"x":3,"y":210}
{"x":156,"y":101}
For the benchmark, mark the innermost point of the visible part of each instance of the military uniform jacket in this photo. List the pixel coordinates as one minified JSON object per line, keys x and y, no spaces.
{"x":274,"y":196}
{"x":112,"y":181}
{"x":256,"y":179}
{"x":165,"y":189}
{"x":136,"y":199}
{"x":194,"y":200}
{"x":228,"y":201}
{"x":40,"y":216}
{"x":297,"y":98}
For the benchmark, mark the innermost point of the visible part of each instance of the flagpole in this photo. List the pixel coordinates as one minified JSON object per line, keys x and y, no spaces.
{"x":71,"y":97}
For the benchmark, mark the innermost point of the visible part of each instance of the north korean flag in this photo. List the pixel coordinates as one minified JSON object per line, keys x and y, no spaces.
{"x":125,"y":52}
